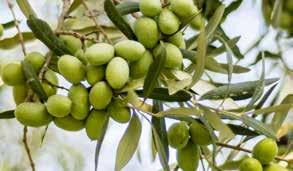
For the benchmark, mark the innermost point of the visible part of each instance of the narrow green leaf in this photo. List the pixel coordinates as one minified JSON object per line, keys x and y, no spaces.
{"x":237,"y":91}
{"x":33,"y":81}
{"x":118,"y":20}
{"x":154,"y":72}
{"x":175,"y":86}
{"x":128,"y":143}
{"x":232,"y":7}
{"x":265,"y":97}
{"x":163,"y":95}
{"x":181,"y":111}
{"x":75,"y":4}
{"x":125,"y":8}
{"x":271,"y":109}
{"x":26,"y":8}
{"x":11,"y":42}
{"x":9,"y":24}
{"x":44,"y":33}
{"x":276,"y":13}
{"x":267,"y":55}
{"x":215,"y":21}
{"x":218,"y":51}
{"x":7,"y":114}
{"x":239,"y":130}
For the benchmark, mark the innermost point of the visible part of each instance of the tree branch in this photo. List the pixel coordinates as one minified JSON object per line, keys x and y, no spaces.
{"x":78,"y":35}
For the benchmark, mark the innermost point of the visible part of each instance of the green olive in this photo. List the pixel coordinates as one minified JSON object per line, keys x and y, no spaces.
{"x":150,"y":8}
{"x":250,"y":164}
{"x":188,"y":157}
{"x":117,"y":73}
{"x":196,"y":22}
{"x":178,"y":135}
{"x":95,"y":124}
{"x":80,"y":55}
{"x":50,"y":77}
{"x":99,"y":54}
{"x":129,"y":50}
{"x":168,"y":22}
{"x":140,"y":68}
{"x":36,"y":59}
{"x":147,"y":32}
{"x":19,"y":93}
{"x":274,"y":167}
{"x":12,"y":74}
{"x":32,"y":114}
{"x":119,"y":112}
{"x":199,"y":134}
{"x":68,"y":123}
{"x":183,"y":8}
{"x":71,"y":68}
{"x":177,"y":40}
{"x":1,"y":30}
{"x":265,"y":151}
{"x":72,"y":43}
{"x":58,"y":105}
{"x":100,"y":95}
{"x":79,"y":96}
{"x":95,"y":74}
{"x":174,"y":57}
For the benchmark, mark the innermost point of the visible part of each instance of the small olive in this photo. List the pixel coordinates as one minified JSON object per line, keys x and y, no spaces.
{"x":168,"y":22}
{"x":188,"y":157}
{"x":174,"y":57}
{"x":99,"y":54}
{"x":95,"y":124}
{"x":36,"y":59}
{"x":183,"y":8}
{"x":100,"y":95}
{"x":19,"y":93}
{"x":140,"y":68}
{"x":177,"y":40}
{"x":95,"y":74}
{"x":12,"y":74}
{"x":274,"y":167}
{"x":199,"y":134}
{"x":250,"y":164}
{"x":117,"y":73}
{"x":51,"y":79}
{"x":265,"y":151}
{"x":178,"y":135}
{"x":68,"y":123}
{"x":58,"y":105}
{"x":129,"y":49}
{"x":119,"y":112}
{"x":150,"y":8}
{"x":72,"y":43}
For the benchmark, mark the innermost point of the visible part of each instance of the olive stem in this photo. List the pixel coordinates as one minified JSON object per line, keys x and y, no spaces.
{"x":78,"y":35}
{"x":24,"y":140}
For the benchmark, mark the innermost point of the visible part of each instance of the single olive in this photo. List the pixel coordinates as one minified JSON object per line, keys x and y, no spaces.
{"x":51,"y":79}
{"x":140,"y":68}
{"x":99,"y":54}
{"x":95,"y":124}
{"x":274,"y":167}
{"x":95,"y":74}
{"x":265,"y":151}
{"x":72,"y":43}
{"x":178,"y":135}
{"x":199,"y":134}
{"x":36,"y":59}
{"x":196,"y":22}
{"x":183,"y":8}
{"x":68,"y":123}
{"x":250,"y":164}
{"x":71,"y":68}
{"x":119,"y":112}
{"x":79,"y":96}
{"x":174,"y":57}
{"x":58,"y":105}
{"x":168,"y":22}
{"x":12,"y":74}
{"x":150,"y":8}
{"x":117,"y":73}
{"x":32,"y":114}
{"x":147,"y":32}
{"x":19,"y":93}
{"x":100,"y":95}
{"x":177,"y":40}
{"x":188,"y":157}
{"x":129,"y":49}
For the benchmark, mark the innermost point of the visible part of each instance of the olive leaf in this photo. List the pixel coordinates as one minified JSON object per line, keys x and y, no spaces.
{"x":33,"y":80}
{"x":217,"y":51}
{"x":267,"y":55}
{"x":179,"y":112}
{"x":163,"y":95}
{"x":276,"y":13}
{"x":11,"y":42}
{"x":214,"y":21}
{"x":7,"y":114}
{"x":240,"y":130}
{"x":125,"y":8}
{"x":118,"y":20}
{"x":154,"y":72}
{"x":232,"y":7}
{"x":75,"y":4}
{"x":26,"y":8}
{"x":9,"y":24}
{"x":128,"y":143}
{"x":45,"y":34}
{"x":265,"y":97}
{"x":271,"y":109}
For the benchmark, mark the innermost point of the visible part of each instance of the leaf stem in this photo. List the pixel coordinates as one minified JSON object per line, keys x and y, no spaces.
{"x":78,"y":35}
{"x":27,"y":149}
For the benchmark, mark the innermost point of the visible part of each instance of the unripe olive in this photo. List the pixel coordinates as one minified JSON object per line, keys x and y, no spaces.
{"x":250,"y":164}
{"x":36,"y":59}
{"x":177,"y":40}
{"x":95,"y":74}
{"x":140,"y":68}
{"x":150,"y":8}
{"x":129,"y":50}
{"x":199,"y":134}
{"x":79,"y":96}
{"x":19,"y":93}
{"x":68,"y":123}
{"x":80,"y":55}
{"x":12,"y":74}
{"x":32,"y":114}
{"x":188,"y":157}
{"x":147,"y":32}
{"x":174,"y":56}
{"x":100,"y":95}
{"x":58,"y":105}
{"x":168,"y":22}
{"x":265,"y":150}
{"x":117,"y":73}
{"x":72,"y":43}
{"x":99,"y":54}
{"x":183,"y":8}
{"x":95,"y":124}
{"x":51,"y":77}
{"x":71,"y":68}
{"x":1,"y":30}
{"x":178,"y":135}
{"x":119,"y":112}
{"x":274,"y":167}
{"x":196,"y":22}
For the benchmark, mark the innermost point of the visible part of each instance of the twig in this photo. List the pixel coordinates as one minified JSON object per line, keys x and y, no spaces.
{"x":54,"y":85}
{"x":24,"y":140}
{"x":99,"y":28}
{"x":63,"y":15}
{"x":78,"y":35}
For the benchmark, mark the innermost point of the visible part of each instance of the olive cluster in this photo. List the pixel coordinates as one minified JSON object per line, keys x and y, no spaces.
{"x":286,"y":17}
{"x":263,"y":154}
{"x":187,"y":139}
